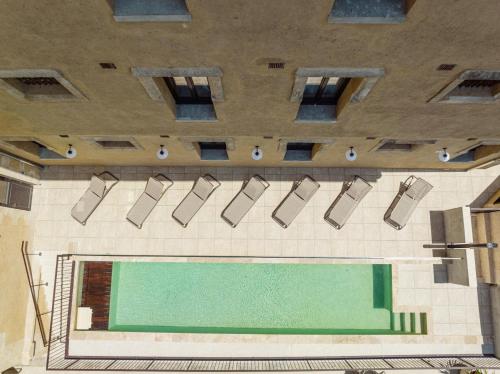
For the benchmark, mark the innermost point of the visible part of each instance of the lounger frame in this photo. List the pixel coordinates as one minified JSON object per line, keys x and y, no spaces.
{"x":292,"y":190}
{"x":165,"y":188}
{"x":106,"y":191}
{"x":344,"y":190}
{"x":256,"y":176}
{"x":210,"y":179}
{"x":402,"y":190}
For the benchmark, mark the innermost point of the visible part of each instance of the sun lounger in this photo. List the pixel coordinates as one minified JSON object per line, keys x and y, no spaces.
{"x":194,"y":200}
{"x":154,"y":191}
{"x":92,"y":197}
{"x":302,"y":191}
{"x":411,"y":192}
{"x":251,"y":191}
{"x":346,"y":202}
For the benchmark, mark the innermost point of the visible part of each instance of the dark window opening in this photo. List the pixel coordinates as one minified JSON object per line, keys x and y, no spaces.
{"x":39,"y":81}
{"x":39,"y":86}
{"x":394,"y":146}
{"x":475,"y":90}
{"x":299,"y":152}
{"x":476,"y":153}
{"x":189,"y":90}
{"x":15,"y":194}
{"x":212,"y":151}
{"x":478,"y":83}
{"x":36,"y":149}
{"x":116,"y":144}
{"x":320,"y":98}
{"x":151,"y":11}
{"x":368,"y":11}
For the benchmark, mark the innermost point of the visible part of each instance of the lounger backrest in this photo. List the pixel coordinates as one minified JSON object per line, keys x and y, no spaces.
{"x":418,"y":189}
{"x":254,"y":188}
{"x":97,"y":186}
{"x":358,"y":189}
{"x":203,"y":188}
{"x":306,"y":189}
{"x":154,"y":188}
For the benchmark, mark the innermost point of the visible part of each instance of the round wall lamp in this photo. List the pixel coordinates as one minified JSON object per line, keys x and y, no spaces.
{"x":71,"y":152}
{"x":351,"y":154}
{"x":443,"y":155}
{"x":162,"y":153}
{"x":257,"y":153}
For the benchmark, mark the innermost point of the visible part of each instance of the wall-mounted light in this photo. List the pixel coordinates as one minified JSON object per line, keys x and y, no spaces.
{"x":257,"y":153}
{"x":351,"y":154}
{"x":162,"y":153}
{"x":71,"y":152}
{"x":443,"y":155}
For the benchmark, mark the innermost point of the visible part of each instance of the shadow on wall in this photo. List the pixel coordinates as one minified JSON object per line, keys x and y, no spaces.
{"x":483,"y":197}
{"x":438,"y":237}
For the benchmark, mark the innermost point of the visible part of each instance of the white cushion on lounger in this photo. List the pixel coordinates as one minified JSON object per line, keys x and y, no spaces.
{"x":342,"y":210}
{"x":203,"y":188}
{"x":306,"y":189}
{"x":403,"y":210}
{"x":238,"y":208}
{"x":289,"y":209}
{"x":141,"y":209}
{"x":254,"y":189}
{"x":85,"y":206}
{"x":188,"y":208}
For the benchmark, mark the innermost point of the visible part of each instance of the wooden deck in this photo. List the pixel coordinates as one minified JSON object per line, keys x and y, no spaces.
{"x":96,"y":291}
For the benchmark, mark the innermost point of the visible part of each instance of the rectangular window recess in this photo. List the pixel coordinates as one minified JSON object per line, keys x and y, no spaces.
{"x":402,"y":145}
{"x":476,"y":153}
{"x":15,"y":194}
{"x":36,"y":149}
{"x":213,"y":151}
{"x":368,"y":11}
{"x":475,"y":90}
{"x":151,"y":11}
{"x":299,"y":152}
{"x":116,"y":144}
{"x":320,"y":98}
{"x":38,"y":87}
{"x":193,"y":98}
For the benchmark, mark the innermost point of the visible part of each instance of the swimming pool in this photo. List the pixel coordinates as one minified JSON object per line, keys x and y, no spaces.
{"x":253,"y":298}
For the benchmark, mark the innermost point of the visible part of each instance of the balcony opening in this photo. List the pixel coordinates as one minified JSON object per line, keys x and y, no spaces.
{"x":213,"y":151}
{"x":476,"y":153}
{"x":299,"y":152}
{"x":320,"y":98}
{"x":151,"y":11}
{"x":193,"y":98}
{"x":369,"y":11}
{"x":394,"y":145}
{"x":116,"y":144}
{"x":35,"y":148}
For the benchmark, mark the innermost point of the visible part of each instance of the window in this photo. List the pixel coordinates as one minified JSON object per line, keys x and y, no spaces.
{"x":115,"y":144}
{"x":319,"y":101}
{"x":15,"y":194}
{"x":299,"y":152}
{"x":151,"y":11}
{"x":42,"y":84}
{"x":472,"y":86}
{"x":324,"y":92}
{"x":369,"y":11}
{"x":211,"y":151}
{"x":33,"y":147}
{"x":189,"y":92}
{"x":476,"y":153}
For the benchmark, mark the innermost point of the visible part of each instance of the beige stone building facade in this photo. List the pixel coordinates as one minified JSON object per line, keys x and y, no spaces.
{"x":398,"y":89}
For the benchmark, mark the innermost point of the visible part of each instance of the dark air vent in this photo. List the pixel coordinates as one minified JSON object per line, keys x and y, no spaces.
{"x":107,"y":65}
{"x":117,"y":144}
{"x":38,"y":81}
{"x":446,"y":67}
{"x":64,"y":136}
{"x":276,"y":65}
{"x":478,"y":83}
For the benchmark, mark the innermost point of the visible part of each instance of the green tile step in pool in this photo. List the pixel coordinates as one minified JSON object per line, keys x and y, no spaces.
{"x":238,"y":298}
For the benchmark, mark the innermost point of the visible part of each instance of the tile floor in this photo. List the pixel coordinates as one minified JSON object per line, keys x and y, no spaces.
{"x":455,"y":310}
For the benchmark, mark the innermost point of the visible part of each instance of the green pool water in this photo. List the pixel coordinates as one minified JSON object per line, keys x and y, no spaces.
{"x":251,"y":298}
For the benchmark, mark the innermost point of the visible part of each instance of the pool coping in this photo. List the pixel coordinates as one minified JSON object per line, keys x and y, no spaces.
{"x":76,"y":336}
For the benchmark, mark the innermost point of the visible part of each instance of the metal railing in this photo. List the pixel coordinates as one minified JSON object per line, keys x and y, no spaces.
{"x":59,"y":359}
{"x":32,"y":285}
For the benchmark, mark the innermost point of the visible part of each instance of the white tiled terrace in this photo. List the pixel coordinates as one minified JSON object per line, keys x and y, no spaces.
{"x":455,"y":324}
